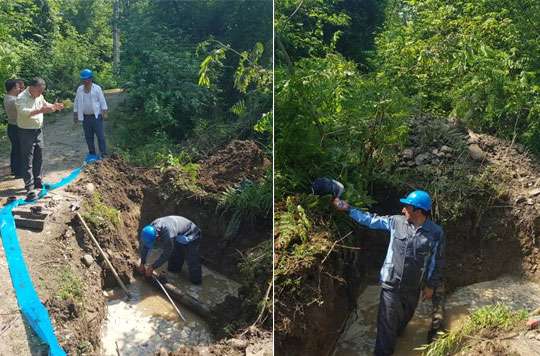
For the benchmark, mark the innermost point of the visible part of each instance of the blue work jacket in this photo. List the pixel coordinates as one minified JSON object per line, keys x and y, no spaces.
{"x":415,"y":256}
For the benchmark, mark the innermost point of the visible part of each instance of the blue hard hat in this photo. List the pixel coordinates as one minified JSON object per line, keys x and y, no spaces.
{"x":148,"y":236}
{"x":418,"y":199}
{"x":86,"y":74}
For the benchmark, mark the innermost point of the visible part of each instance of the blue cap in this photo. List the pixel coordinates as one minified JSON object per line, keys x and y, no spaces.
{"x":148,"y":236}
{"x":418,"y":199}
{"x":86,"y":74}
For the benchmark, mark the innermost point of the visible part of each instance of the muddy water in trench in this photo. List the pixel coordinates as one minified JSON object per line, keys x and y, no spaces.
{"x":147,"y":322}
{"x":358,"y":337}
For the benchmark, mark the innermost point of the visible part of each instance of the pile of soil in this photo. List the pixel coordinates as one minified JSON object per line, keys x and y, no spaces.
{"x":238,"y":161}
{"x":122,"y":187}
{"x":255,"y":342}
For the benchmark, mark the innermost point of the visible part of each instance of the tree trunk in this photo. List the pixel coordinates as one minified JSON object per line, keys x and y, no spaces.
{"x":116,"y":36}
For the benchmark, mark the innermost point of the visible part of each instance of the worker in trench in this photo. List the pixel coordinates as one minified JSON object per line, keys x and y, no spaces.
{"x":413,"y":263}
{"x":179,"y":239}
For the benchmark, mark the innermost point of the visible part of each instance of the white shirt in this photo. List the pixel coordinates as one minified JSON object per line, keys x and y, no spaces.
{"x":94,"y":106}
{"x":88,"y":105}
{"x":25,"y":105}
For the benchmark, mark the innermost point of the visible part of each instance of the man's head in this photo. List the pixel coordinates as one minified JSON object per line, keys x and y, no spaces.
{"x":86,"y":76}
{"x":149,"y":236}
{"x":11,"y":87}
{"x":20,"y":84}
{"x":36,"y":86}
{"x":417,"y":206}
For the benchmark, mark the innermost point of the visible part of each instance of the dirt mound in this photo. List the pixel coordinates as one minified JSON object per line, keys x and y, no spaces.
{"x":114,"y":192}
{"x":238,"y":161}
{"x":254,"y":342}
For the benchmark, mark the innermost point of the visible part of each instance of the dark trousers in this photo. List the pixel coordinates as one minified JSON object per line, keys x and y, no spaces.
{"x":91,"y":127}
{"x":31,"y":150}
{"x":189,"y":252}
{"x":15,"y":156}
{"x":396,"y":308}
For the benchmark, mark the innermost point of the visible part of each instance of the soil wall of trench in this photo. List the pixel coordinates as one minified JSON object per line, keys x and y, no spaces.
{"x":141,"y":195}
{"x":482,"y":244}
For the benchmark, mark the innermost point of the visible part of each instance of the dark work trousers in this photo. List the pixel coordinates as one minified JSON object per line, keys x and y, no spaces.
{"x":15,"y":156}
{"x":396,"y":308}
{"x":437,"y":313}
{"x":91,"y":127}
{"x":31,"y":149}
{"x":189,"y":252}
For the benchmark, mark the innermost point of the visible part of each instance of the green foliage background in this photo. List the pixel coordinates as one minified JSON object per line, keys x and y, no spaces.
{"x":55,"y":39}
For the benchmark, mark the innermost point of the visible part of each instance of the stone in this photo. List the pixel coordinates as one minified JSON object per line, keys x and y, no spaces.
{"x":446,"y":149}
{"x":520,"y":199}
{"x":473,"y":138}
{"x":476,"y":153}
{"x":422,"y":158}
{"x":87,"y":260}
{"x":534,"y":192}
{"x":238,"y":343}
{"x":435,"y":151}
{"x":163,"y":351}
{"x":407,"y":154}
{"x":91,"y":188}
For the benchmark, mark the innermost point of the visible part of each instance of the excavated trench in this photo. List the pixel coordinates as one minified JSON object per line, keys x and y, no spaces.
{"x":471,"y":259}
{"x":488,"y":249}
{"x":148,"y":322}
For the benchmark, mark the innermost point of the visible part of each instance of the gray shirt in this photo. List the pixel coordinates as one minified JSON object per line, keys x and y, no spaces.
{"x":11,"y":108}
{"x":170,"y":229}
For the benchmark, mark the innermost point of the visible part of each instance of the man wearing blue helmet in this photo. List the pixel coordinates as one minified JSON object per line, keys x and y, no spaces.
{"x":413,"y":263}
{"x":179,"y":239}
{"x":91,"y":109}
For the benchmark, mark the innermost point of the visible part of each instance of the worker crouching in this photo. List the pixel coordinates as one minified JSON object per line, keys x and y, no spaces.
{"x":179,"y":239}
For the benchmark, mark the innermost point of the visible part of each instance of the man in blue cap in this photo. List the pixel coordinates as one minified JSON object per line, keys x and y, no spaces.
{"x":91,"y":108}
{"x":179,"y":239}
{"x":413,"y":263}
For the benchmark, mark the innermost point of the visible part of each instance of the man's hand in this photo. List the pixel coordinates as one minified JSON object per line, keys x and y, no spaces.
{"x":105,"y":114}
{"x":58,"y":106}
{"x":142,"y":269}
{"x":47,"y":109}
{"x":340,"y":205}
{"x":149,"y":272}
{"x":427,"y":293}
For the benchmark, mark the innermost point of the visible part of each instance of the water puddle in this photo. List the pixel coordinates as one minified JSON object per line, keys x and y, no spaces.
{"x":147,"y":322}
{"x":360,"y":331}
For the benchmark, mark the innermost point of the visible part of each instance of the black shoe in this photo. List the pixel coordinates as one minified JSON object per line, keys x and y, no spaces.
{"x":32,"y":195}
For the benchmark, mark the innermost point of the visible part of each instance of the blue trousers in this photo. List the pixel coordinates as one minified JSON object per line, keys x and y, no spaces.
{"x":396,"y":308}
{"x":189,"y":252}
{"x":91,"y":127}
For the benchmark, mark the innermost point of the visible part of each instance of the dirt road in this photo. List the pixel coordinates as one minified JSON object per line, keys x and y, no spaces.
{"x":65,"y":149}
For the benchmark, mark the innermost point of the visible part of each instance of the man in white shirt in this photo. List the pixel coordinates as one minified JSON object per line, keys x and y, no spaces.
{"x":12,"y":90}
{"x":90,"y":107}
{"x":31,"y":105}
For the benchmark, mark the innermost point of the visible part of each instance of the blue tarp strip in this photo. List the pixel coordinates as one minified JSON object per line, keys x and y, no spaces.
{"x":31,"y":307}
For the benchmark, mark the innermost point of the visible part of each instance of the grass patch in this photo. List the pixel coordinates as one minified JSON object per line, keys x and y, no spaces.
{"x":99,"y":214}
{"x":70,"y":286}
{"x":497,"y":317}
